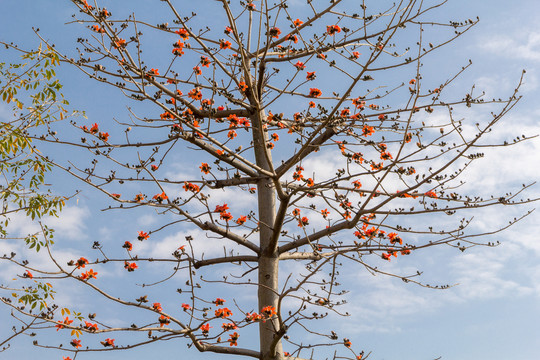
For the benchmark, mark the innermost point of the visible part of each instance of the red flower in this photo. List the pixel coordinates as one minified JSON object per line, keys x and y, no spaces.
{"x":186,"y":307}
{"x":231,"y":134}
{"x":195,"y":94}
{"x":205,"y":168}
{"x":127,"y":245}
{"x":228,"y":30}
{"x":367,"y":130}
{"x":225,"y":216}
{"x":191,"y":187}
{"x":314,"y":93}
{"x":219,"y":302}
{"x":90,"y":327}
{"x":221,"y":208}
{"x":296,"y":212}
{"x":120,"y":43}
{"x":274,"y":32}
{"x":234,"y":338}
{"x":28,"y":274}
{"x":130,"y":266}
{"x":65,"y":322}
{"x":311,"y":76}
{"x":94,"y":129}
{"x":82,"y":262}
{"x":223,"y":312}
{"x":197,"y":70}
{"x":103,"y":136}
{"x":139,"y":197}
{"x":311,"y":104}
{"x":241,"y":220}
{"x":183,"y":33}
{"x":297,"y":22}
{"x":76,"y":343}
{"x":157,"y":307}
{"x":309,"y":182}
{"x":357,"y":184}
{"x":142,"y":236}
{"x":321,"y":56}
{"x":386,"y":256}
{"x":251,"y":6}
{"x":325,"y":213}
{"x":303,"y":222}
{"x":205,"y":61}
{"x":225,"y":44}
{"x":90,"y":274}
{"x":405,"y":251}
{"x":300,"y":65}
{"x":107,"y":342}
{"x":333,"y":29}
{"x":292,"y":38}
{"x":356,"y":54}
{"x":268,"y":311}
{"x":431,"y":194}
{"x":229,"y":326}
{"x":97,"y":29}
{"x":160,"y":197}
{"x":205,"y":329}
{"x":164,"y":320}
{"x":347,"y":343}
{"x":117,"y":196}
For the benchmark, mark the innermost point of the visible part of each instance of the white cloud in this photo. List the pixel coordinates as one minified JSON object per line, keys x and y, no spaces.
{"x":518,"y":45}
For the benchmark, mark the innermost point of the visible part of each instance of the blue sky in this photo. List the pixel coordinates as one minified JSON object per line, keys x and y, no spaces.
{"x":491,"y":314}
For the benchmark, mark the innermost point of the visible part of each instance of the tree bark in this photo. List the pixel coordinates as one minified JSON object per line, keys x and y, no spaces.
{"x":268,"y":260}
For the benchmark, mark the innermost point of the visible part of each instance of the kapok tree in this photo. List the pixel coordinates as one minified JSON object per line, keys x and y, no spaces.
{"x":256,"y":101}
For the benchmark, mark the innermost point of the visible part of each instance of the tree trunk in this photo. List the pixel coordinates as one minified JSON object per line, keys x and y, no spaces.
{"x":268,"y":261}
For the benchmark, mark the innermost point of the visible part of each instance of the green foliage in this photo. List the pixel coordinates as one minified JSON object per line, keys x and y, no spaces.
{"x":34,"y":94}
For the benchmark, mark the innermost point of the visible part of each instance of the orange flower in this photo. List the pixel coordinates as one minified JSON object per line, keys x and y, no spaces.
{"x":205,"y":329}
{"x":205,"y":61}
{"x":28,"y":274}
{"x":219,"y":301}
{"x":164,"y":320}
{"x":160,"y":197}
{"x":90,"y":327}
{"x":94,"y":129}
{"x":431,"y":194}
{"x":223,"y":313}
{"x":143,"y":236}
{"x":231,"y":134}
{"x":297,"y":22}
{"x":90,"y":274}
{"x":274,"y":32}
{"x":311,"y":104}
{"x":357,"y":184}
{"x":97,"y":29}
{"x":221,"y":208}
{"x":108,"y":342}
{"x":347,"y":343}
{"x":224,"y":44}
{"x":268,"y":311}
{"x":325,"y":213}
{"x":309,"y":182}
{"x":82,"y":262}
{"x":117,"y":196}
{"x":139,"y":197}
{"x":292,"y":38}
{"x":183,"y":33}
{"x":356,"y":54}
{"x":103,"y":136}
{"x":242,"y":86}
{"x":303,"y":221}
{"x":300,"y":65}
{"x":314,"y":93}
{"x":225,"y":216}
{"x":233,"y":341}
{"x":205,"y":168}
{"x":157,"y":307}
{"x":195,"y":94}
{"x":186,"y":307}
{"x":311,"y":76}
{"x":197,"y":70}
{"x":229,"y":326}
{"x":333,"y":29}
{"x":120,"y":43}
{"x":130,"y":266}
{"x":241,"y":220}
{"x":65,"y":322}
{"x":76,"y":343}
{"x":127,"y":245}
{"x":367,"y":130}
